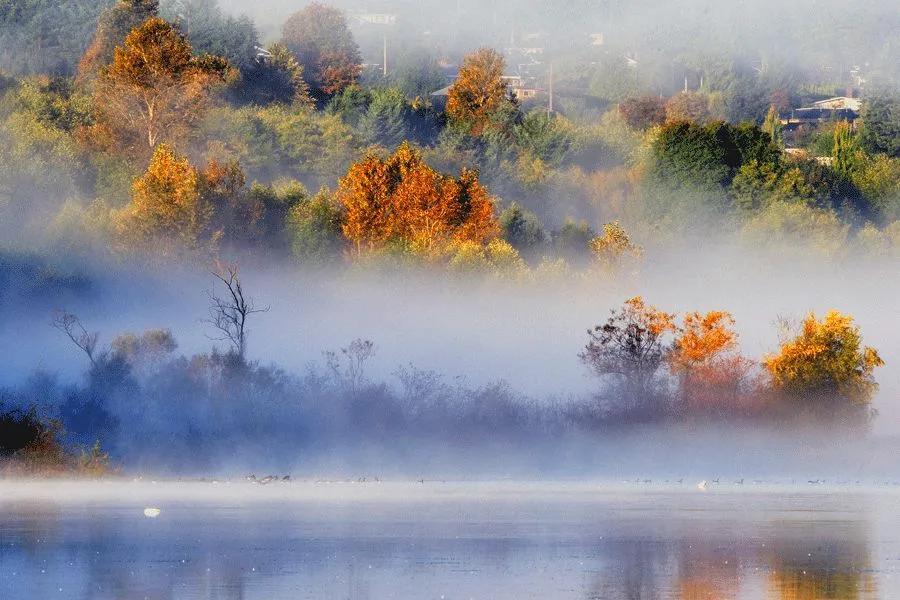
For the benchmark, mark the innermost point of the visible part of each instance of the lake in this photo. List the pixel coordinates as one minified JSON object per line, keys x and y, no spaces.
{"x":436,"y":540}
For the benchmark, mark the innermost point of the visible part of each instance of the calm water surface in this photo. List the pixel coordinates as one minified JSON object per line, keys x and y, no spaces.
{"x":450,"y":541}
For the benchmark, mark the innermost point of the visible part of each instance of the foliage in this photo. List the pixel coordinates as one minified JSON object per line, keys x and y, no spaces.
{"x":113,"y":27}
{"x":279,"y":141}
{"x":643,"y":112}
{"x":572,"y":241}
{"x":845,"y":153}
{"x":478,"y":92}
{"x":46,"y":36}
{"x":211,"y":31}
{"x":155,"y":90}
{"x":878,"y":180}
{"x":881,"y":125}
{"x":630,"y":347}
{"x":697,"y":107}
{"x":276,"y":78}
{"x":401,"y":200}
{"x":522,"y":228}
{"x":314,"y":228}
{"x":497,"y":258}
{"x":169,"y":212}
{"x":826,"y":360}
{"x":706,"y":359}
{"x":795,"y":226}
{"x":320,"y":39}
{"x":757,"y":185}
{"x":614,"y":249}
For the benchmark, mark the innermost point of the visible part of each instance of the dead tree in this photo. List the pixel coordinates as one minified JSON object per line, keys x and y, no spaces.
{"x":229,"y":313}
{"x":72,"y":327}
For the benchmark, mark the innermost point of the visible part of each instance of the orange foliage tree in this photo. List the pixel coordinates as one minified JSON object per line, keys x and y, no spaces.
{"x":155,"y":89}
{"x":705,"y":358}
{"x":479,"y":90}
{"x":113,"y":26}
{"x":402,"y":202}
{"x":826,"y":360}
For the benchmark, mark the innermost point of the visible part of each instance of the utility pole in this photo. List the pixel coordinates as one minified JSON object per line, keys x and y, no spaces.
{"x":384,"y":62}
{"x":550,"y":104}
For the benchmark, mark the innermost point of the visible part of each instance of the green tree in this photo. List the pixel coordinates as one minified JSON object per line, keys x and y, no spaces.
{"x":211,"y":31}
{"x":772,"y":126}
{"x":881,"y":124}
{"x":46,"y":36}
{"x":314,"y":227}
{"x":274,"y":79}
{"x":522,"y":229}
{"x":845,"y":153}
{"x":757,"y":185}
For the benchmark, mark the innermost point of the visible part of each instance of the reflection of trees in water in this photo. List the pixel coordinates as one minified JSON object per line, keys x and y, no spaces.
{"x":792,"y":561}
{"x":837,"y":567}
{"x":632,"y":569}
{"x":707,"y":570}
{"x":32,"y":526}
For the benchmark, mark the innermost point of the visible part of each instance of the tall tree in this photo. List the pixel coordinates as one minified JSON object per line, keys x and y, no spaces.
{"x":479,"y":90}
{"x":114,"y":25}
{"x":319,"y":37}
{"x":155,"y":89}
{"x":772,"y":126}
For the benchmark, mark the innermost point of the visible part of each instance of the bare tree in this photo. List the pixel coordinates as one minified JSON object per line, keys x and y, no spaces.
{"x":72,"y":327}
{"x":354,"y":358}
{"x":229,"y":313}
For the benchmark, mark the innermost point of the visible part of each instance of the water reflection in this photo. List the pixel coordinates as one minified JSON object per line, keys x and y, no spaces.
{"x":601,"y":550}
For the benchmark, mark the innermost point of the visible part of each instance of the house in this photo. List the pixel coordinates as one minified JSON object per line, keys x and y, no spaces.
{"x":376,"y":18}
{"x":840,"y":103}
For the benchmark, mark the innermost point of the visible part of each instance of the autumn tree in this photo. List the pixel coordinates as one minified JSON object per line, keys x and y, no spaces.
{"x":643,"y":112}
{"x":695,"y":107}
{"x":402,"y":202}
{"x":169,"y":212}
{"x":319,"y":37}
{"x":825,"y":361}
{"x":705,"y":358}
{"x":113,"y":27}
{"x":614,"y":249}
{"x":155,"y":89}
{"x":479,"y":90}
{"x":629,"y":349}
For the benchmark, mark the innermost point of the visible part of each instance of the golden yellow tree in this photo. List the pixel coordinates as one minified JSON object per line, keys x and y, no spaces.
{"x":402,"y":202}
{"x":614,"y":248}
{"x":155,"y":89}
{"x":169,"y":212}
{"x":826,"y":360}
{"x":479,"y":90}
